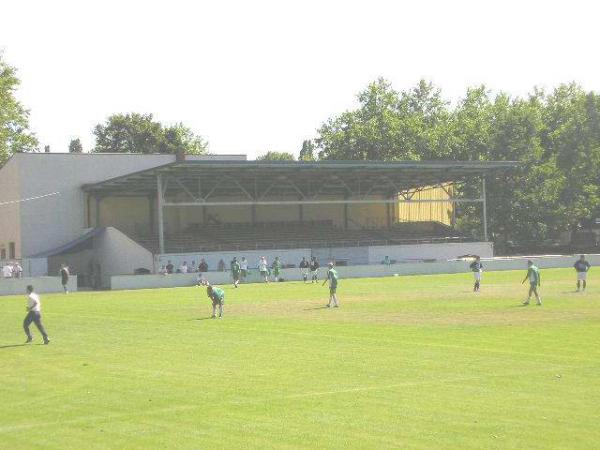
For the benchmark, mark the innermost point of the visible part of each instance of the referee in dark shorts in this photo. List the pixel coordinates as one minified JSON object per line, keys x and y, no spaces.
{"x":34,"y":314}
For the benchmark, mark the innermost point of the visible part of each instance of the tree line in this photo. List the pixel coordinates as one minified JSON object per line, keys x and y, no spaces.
{"x":555,"y":137}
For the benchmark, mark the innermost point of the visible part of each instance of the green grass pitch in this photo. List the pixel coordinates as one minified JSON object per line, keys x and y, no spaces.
{"x":406,"y":362}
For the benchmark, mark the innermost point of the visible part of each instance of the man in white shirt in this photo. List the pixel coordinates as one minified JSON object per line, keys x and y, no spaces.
{"x":7,"y":271}
{"x":244,"y":268}
{"x":34,"y":314}
{"x":17,"y":270}
{"x":263,"y":268}
{"x":183,"y":268}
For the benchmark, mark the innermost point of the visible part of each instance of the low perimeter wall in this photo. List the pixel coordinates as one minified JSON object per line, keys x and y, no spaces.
{"x":363,"y":271}
{"x":42,"y":285}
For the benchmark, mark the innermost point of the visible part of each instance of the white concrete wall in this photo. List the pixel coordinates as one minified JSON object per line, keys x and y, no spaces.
{"x":430,"y":251}
{"x":367,"y":271}
{"x":117,"y":254}
{"x":35,"y":267}
{"x":41,"y":285}
{"x":53,"y":221}
{"x":10,"y":214}
{"x":353,"y":255}
{"x":57,"y":220}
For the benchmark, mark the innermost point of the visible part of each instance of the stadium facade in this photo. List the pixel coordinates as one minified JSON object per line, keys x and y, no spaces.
{"x":111,"y":214}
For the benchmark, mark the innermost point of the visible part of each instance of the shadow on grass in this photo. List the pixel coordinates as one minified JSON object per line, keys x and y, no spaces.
{"x":201,"y":318}
{"x":316,"y":307}
{"x":17,"y":345}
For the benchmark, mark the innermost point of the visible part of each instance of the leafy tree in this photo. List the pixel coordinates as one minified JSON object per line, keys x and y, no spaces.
{"x":388,"y":126}
{"x":276,"y":156}
{"x":140,"y":133}
{"x":75,"y":146}
{"x":307,"y":153}
{"x":14,"y":118}
{"x":180,"y":137}
{"x":555,"y":138}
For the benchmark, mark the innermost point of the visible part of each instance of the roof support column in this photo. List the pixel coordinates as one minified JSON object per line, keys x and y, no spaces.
{"x":160,"y":201}
{"x":98,"y":198}
{"x":388,"y":213}
{"x":484,"y":203}
{"x":151,"y":214}
{"x":88,"y":211}
{"x":346,"y":214}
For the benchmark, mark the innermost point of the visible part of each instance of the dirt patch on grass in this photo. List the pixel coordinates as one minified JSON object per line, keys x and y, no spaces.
{"x":316,"y":310}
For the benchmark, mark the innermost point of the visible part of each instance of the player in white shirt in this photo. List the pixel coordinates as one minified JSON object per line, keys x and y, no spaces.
{"x":34,"y":314}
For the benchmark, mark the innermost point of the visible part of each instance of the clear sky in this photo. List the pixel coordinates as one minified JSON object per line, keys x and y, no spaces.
{"x":253,"y":76}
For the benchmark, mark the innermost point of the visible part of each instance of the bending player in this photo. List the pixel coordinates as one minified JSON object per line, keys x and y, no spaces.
{"x":581,"y":267}
{"x":533,"y":275}
{"x":217,"y":295}
{"x":476,"y":267}
{"x":332,"y":277}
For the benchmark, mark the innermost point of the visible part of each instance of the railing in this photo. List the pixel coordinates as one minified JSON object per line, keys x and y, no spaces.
{"x":312,"y":243}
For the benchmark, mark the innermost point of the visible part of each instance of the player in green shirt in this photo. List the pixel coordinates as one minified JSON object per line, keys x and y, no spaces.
{"x":217,"y":295}
{"x":332,"y":277}
{"x":236,"y":271}
{"x":533,"y":275}
{"x":276,"y":266}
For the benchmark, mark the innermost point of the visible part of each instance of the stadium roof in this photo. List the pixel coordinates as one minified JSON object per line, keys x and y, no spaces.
{"x":255,"y":180}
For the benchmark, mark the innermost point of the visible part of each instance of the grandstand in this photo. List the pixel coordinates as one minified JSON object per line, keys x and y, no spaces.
{"x":122,"y":212}
{"x":294,"y":234}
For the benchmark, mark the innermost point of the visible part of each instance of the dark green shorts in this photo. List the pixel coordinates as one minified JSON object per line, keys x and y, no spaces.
{"x":332,"y":289}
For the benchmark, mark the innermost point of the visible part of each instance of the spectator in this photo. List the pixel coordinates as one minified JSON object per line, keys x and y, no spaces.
{"x":169,"y":267}
{"x":183,"y":268}
{"x":7,"y":271}
{"x":386,"y":261}
{"x":263,"y":268}
{"x":244,"y":267}
{"x":203,"y":266}
{"x":193,"y":267}
{"x":221,"y":266}
{"x":17,"y":270}
{"x":162,"y":270}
